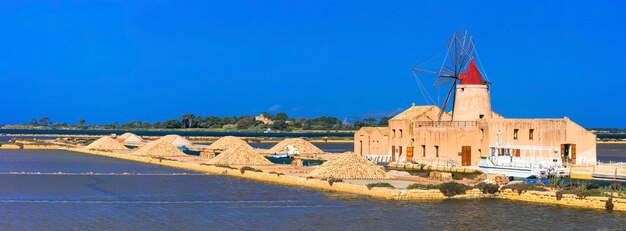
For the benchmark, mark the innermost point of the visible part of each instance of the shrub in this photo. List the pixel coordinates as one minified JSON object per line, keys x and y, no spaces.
{"x":488,"y":188}
{"x":615,"y":186}
{"x":380,"y":185}
{"x":224,"y":166}
{"x":523,"y":187}
{"x":452,"y":188}
{"x":585,"y":193}
{"x":609,"y":204}
{"x":422,"y":186}
{"x":592,"y":186}
{"x":332,"y":180}
{"x":277,"y":173}
{"x":248,"y":168}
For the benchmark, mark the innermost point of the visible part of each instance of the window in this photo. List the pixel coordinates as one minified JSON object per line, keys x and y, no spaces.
{"x":424,"y":150}
{"x":531,"y":133}
{"x":394,"y":132}
{"x":481,"y":116}
{"x":400,"y":133}
{"x":437,"y":150}
{"x":515,"y":131}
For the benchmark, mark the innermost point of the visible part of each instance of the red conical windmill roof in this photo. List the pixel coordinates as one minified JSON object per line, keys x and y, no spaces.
{"x":471,"y":75}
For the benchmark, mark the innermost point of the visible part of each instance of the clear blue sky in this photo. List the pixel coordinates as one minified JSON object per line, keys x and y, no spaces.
{"x":108,"y":61}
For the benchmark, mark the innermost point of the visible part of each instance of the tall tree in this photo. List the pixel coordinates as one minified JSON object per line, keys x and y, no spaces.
{"x":81,"y":123}
{"x":187,"y":120}
{"x":370,"y":121}
{"x":44,"y":121}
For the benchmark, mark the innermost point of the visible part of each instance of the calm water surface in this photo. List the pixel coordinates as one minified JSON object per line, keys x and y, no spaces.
{"x":162,"y":198}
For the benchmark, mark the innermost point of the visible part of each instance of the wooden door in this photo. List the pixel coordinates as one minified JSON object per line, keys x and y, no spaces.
{"x":393,"y":153}
{"x":466,"y":155}
{"x":361,"y":149}
{"x":563,"y":153}
{"x":409,"y":154}
{"x":573,"y":147}
{"x":517,"y":153}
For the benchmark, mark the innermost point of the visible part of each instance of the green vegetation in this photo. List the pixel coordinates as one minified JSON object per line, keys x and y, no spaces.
{"x":423,"y":186}
{"x":379,"y":185}
{"x":487,"y":188}
{"x":523,"y":187}
{"x":332,"y":180}
{"x":609,"y":204}
{"x":277,"y":173}
{"x":452,"y":188}
{"x":248,"y":168}
{"x":281,"y":121}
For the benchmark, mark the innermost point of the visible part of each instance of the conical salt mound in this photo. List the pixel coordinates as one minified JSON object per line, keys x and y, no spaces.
{"x":301,"y":145}
{"x":159,"y":148}
{"x":349,"y":166}
{"x":176,"y":140}
{"x":240,"y":156}
{"x":106,"y":143}
{"x":129,"y":137}
{"x":228,"y":142}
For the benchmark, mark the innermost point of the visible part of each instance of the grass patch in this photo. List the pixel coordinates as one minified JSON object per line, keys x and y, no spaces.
{"x":331,"y":180}
{"x":523,"y":187}
{"x":450,"y":189}
{"x":423,"y":186}
{"x":277,"y":173}
{"x":248,"y":168}
{"x":379,"y":185}
{"x":487,"y":188}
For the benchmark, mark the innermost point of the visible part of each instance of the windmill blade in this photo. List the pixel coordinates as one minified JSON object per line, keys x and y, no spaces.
{"x":466,"y":52}
{"x":445,"y":76}
{"x":445,"y":102}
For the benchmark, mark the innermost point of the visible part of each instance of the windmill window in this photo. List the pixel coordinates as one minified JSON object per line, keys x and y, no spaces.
{"x":531,"y":134}
{"x":515,"y":131}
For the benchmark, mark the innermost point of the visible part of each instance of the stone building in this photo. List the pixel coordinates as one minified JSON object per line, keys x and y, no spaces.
{"x":472,"y":130}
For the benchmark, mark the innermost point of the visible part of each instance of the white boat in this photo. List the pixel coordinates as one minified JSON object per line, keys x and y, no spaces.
{"x":503,"y":160}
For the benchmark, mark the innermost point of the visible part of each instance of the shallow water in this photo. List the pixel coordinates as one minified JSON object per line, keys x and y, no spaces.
{"x":159,"y":198}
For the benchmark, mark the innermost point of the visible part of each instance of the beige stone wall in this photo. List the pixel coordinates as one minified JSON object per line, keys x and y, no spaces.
{"x":449,"y":141}
{"x":399,"y":138}
{"x":471,"y":101}
{"x":585,"y":142}
{"x":371,"y":141}
{"x":547,"y":133}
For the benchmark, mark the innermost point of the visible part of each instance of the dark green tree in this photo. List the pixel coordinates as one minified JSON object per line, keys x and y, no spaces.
{"x":44,"y":121}
{"x":246,"y":122}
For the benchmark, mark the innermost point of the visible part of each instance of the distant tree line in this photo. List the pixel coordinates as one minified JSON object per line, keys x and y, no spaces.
{"x":281,"y":121}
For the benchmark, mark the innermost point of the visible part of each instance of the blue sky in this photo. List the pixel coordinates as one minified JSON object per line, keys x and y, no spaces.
{"x":108,"y":61}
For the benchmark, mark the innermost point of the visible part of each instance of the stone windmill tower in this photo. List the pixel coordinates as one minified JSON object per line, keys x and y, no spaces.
{"x":471,"y":99}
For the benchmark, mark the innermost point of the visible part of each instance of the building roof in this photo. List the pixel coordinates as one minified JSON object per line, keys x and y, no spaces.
{"x":413,"y":112}
{"x":472,"y":75}
{"x":383,"y":130}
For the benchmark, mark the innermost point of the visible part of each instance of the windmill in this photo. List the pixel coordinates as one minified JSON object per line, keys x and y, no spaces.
{"x":459,"y":58}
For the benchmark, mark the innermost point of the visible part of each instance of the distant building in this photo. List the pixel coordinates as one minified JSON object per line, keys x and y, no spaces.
{"x":262,"y":118}
{"x":473,"y":130}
